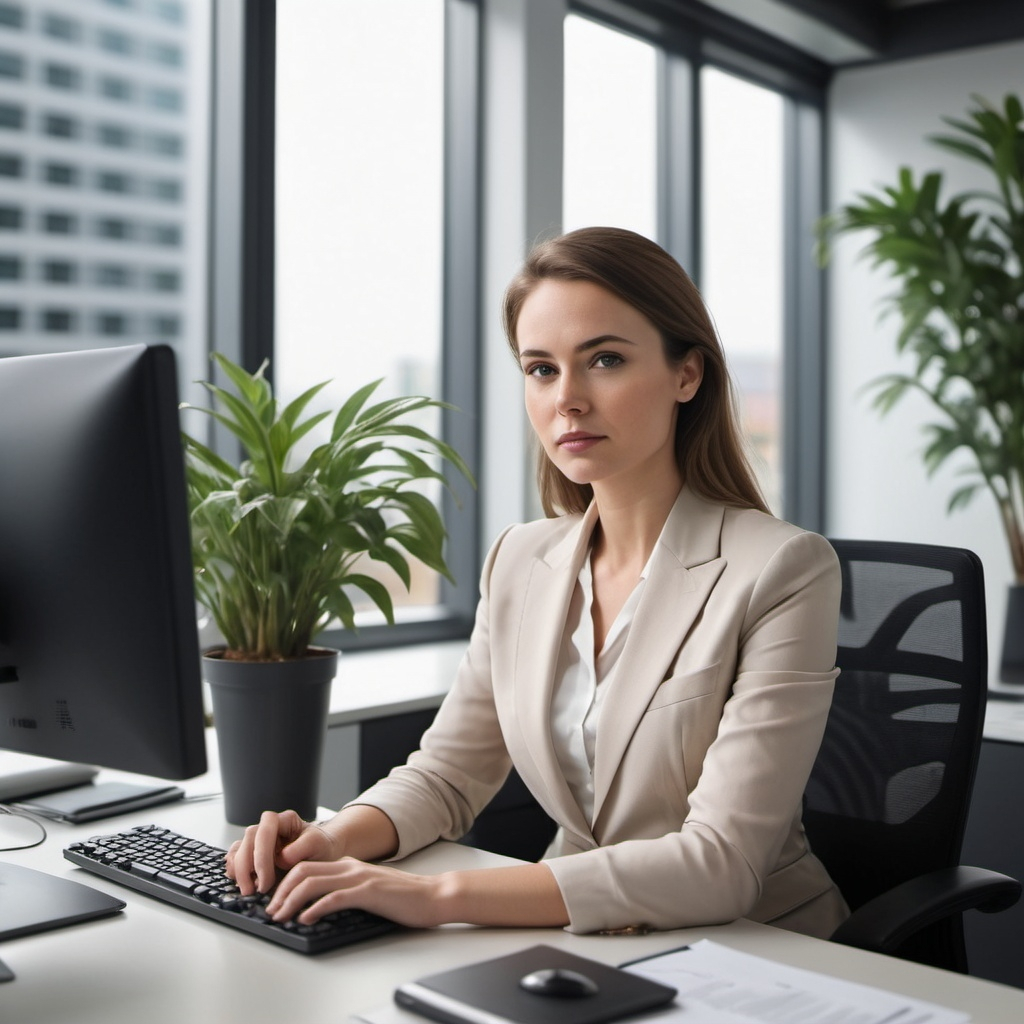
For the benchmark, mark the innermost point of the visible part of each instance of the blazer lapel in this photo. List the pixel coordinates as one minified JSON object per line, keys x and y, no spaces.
{"x":675,"y":591}
{"x":546,"y":600}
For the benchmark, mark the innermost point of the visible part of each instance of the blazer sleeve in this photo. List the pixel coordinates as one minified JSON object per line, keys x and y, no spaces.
{"x":462,"y":761}
{"x":743,"y":807}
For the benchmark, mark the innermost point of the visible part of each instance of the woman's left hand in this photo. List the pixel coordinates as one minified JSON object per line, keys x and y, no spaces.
{"x":322,"y":887}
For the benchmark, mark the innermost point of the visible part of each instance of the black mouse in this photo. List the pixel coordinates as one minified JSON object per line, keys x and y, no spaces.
{"x":559,"y":983}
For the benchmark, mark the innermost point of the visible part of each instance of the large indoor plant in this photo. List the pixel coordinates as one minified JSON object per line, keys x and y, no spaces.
{"x":959,"y":267}
{"x":279,"y":539}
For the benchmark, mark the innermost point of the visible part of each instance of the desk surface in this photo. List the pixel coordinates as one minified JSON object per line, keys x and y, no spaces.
{"x":158,"y":964}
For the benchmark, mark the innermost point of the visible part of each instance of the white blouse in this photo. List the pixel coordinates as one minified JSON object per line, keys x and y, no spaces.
{"x":581,"y":683}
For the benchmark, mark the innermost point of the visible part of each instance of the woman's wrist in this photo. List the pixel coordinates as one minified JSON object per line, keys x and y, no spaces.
{"x":334,"y":837}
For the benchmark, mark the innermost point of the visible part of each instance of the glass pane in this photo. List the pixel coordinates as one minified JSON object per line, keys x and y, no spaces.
{"x":360,"y":131}
{"x":742,"y":277}
{"x":610,"y":174}
{"x":87,"y":194}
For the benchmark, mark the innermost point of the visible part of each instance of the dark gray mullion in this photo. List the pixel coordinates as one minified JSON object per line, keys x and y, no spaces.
{"x":679,"y":228}
{"x":803,"y":320}
{"x":461,"y":327}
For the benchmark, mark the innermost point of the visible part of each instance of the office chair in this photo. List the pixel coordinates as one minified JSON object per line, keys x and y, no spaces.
{"x":886,"y":805}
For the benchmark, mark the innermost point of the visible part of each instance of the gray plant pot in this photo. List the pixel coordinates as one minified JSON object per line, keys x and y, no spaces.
{"x":1011,"y":668}
{"x":271,"y":720}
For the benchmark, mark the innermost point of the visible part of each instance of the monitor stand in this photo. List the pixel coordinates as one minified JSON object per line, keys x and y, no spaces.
{"x":24,"y":775}
{"x":32,"y":901}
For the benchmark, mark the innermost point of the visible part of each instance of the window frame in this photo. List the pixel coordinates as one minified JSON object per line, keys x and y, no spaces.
{"x":689,"y":37}
{"x":242,"y":309}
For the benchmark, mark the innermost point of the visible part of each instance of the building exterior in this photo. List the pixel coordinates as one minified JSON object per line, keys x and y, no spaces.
{"x":103,"y":174}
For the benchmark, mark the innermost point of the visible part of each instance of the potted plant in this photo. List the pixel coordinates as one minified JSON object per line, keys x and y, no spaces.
{"x":959,"y":266}
{"x":278,"y":542}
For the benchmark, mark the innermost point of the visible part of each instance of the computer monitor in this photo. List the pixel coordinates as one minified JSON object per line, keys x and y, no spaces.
{"x":99,"y":652}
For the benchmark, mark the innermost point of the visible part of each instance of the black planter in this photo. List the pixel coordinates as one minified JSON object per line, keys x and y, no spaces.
{"x":1011,"y":668}
{"x":271,"y":720}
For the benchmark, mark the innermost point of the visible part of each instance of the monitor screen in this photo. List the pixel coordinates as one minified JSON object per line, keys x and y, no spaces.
{"x":99,"y":652}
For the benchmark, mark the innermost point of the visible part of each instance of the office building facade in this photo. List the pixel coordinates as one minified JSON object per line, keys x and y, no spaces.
{"x":103,"y":174}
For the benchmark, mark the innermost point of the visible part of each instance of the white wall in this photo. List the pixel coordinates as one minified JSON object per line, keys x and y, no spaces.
{"x":876,"y":484}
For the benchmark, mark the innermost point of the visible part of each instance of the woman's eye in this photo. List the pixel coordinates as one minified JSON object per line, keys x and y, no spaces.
{"x":607,"y":360}
{"x":539,"y":370}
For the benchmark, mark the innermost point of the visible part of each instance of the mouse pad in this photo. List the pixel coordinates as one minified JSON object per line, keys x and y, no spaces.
{"x":492,"y":986}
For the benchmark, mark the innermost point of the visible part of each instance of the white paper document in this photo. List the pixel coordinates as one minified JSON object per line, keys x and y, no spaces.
{"x":718,"y":985}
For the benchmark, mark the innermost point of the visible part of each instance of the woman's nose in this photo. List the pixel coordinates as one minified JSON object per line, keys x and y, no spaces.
{"x":570,"y":397}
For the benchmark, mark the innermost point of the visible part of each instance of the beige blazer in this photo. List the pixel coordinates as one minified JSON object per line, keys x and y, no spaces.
{"x":705,"y":739}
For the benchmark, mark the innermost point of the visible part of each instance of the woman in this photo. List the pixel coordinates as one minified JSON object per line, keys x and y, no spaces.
{"x":656,"y":658}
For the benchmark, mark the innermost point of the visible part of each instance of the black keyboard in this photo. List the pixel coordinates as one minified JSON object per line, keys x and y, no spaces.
{"x":190,"y":874}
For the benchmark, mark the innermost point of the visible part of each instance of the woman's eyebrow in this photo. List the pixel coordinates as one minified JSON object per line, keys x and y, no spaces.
{"x":583,"y":346}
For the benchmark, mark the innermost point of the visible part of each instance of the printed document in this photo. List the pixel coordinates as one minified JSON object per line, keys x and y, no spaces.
{"x":718,"y":985}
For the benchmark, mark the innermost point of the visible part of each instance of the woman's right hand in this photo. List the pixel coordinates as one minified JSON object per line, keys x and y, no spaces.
{"x":273,"y":847}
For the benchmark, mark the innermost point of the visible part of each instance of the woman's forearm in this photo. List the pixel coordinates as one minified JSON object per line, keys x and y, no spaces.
{"x":361,"y":831}
{"x":519,"y":896}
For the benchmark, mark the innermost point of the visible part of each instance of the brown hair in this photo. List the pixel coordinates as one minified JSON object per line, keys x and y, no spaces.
{"x":709,"y":447}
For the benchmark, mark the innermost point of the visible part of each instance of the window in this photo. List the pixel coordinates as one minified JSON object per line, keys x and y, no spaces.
{"x":610,"y":144}
{"x":62,"y":76}
{"x":60,"y":223}
{"x":113,"y":275}
{"x":116,"y":42}
{"x":165,"y":280}
{"x":161,"y":98}
{"x":59,"y":27}
{"x":114,"y":181}
{"x":115,"y":136}
{"x":10,"y":268}
{"x":11,"y":116}
{"x":12,"y":65}
{"x":60,"y":126}
{"x":114,"y":88}
{"x":168,"y":54}
{"x":10,"y":218}
{"x":166,"y":326}
{"x":165,"y":234}
{"x":373,"y":70}
{"x":170,"y":11}
{"x":167,"y":189}
{"x":58,"y":321}
{"x":742,"y":271}
{"x":11,"y":16}
{"x":60,"y":174}
{"x":116,"y":228}
{"x":11,"y":165}
{"x":59,"y":271}
{"x":112,"y":324}
{"x":166,"y":144}
{"x":10,"y":318}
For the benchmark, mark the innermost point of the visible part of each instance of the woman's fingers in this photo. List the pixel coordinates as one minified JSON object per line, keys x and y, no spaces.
{"x":315,"y":888}
{"x":253,"y":861}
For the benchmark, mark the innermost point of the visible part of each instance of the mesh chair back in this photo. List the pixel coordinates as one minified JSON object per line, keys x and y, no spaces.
{"x":890,"y":791}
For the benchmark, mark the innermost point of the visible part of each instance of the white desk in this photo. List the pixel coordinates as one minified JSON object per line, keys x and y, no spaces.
{"x":158,"y":964}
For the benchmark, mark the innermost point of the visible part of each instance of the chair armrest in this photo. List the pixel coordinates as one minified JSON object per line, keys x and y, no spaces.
{"x":883,"y":923}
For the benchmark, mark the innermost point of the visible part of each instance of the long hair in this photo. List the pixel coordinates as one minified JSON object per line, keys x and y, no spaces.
{"x":708,"y":445}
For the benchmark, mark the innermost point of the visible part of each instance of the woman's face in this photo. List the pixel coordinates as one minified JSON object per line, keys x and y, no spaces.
{"x":600,"y":393}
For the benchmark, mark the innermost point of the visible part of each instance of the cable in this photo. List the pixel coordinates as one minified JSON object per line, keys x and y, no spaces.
{"x":14,"y":813}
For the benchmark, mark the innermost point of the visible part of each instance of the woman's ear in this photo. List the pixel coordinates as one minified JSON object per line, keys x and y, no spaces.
{"x":691,"y":373}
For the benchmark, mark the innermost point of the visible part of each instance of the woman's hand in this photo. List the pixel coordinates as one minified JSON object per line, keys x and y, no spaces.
{"x":522,"y":896}
{"x":276,"y":844}
{"x":321,"y":888}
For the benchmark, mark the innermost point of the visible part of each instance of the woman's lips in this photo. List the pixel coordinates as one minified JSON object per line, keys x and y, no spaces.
{"x":577,"y":441}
